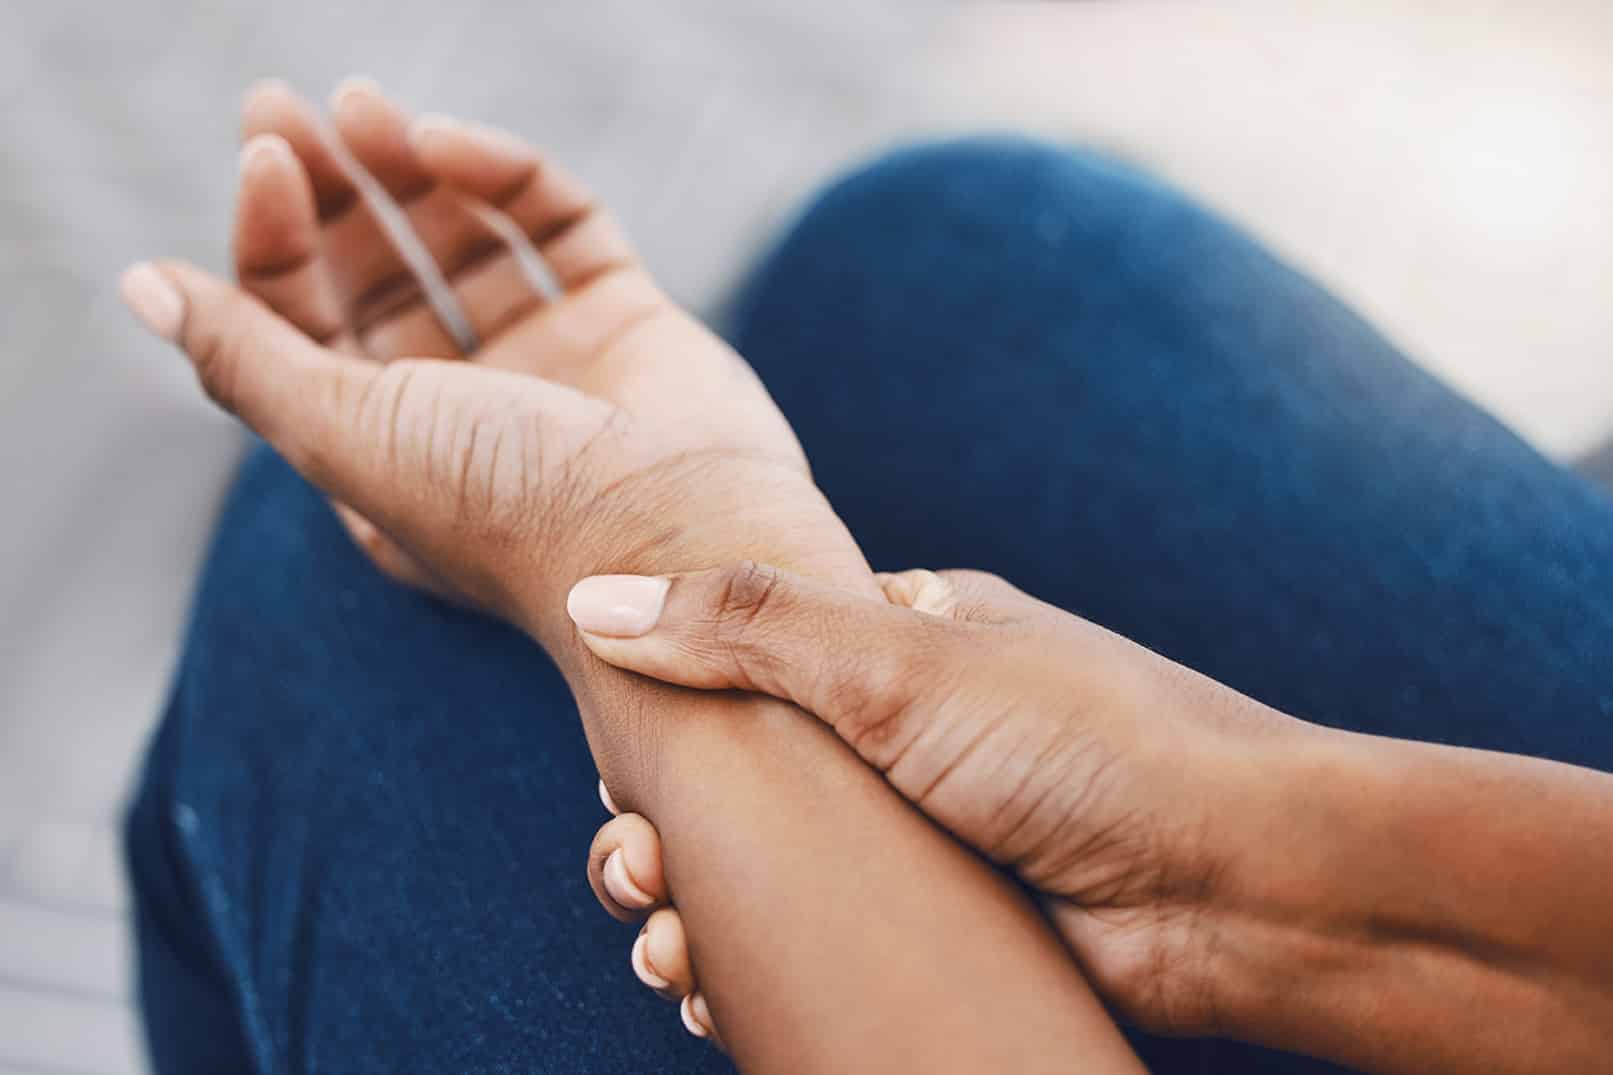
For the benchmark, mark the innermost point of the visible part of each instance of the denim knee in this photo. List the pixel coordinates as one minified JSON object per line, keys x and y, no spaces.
{"x":1010,"y":201}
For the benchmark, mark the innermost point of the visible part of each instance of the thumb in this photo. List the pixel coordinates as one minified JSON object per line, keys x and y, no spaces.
{"x":855,"y":662}
{"x":297,"y":395}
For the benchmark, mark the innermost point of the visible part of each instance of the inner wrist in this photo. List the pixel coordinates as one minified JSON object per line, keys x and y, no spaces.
{"x":746,"y":509}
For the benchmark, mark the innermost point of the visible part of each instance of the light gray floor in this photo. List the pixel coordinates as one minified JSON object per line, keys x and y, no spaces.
{"x":1444,"y":165}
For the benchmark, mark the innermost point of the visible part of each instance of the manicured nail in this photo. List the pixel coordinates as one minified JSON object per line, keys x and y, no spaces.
{"x":618,"y":606}
{"x":151,"y":298}
{"x":621,"y":886}
{"x":261,"y":150}
{"x":604,"y":797}
{"x":641,"y":965}
{"x":359,"y":85}
{"x":691,"y":1016}
{"x":271,"y":85}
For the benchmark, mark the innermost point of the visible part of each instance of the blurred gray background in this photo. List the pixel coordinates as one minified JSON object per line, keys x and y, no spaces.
{"x":1446,"y":165}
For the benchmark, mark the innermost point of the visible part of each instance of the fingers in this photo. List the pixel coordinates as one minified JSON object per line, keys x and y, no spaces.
{"x":375,"y":261}
{"x":966,"y":596}
{"x":624,"y":870}
{"x":443,"y":238}
{"x":854,"y":662}
{"x":660,"y":959}
{"x":279,"y":258}
{"x":579,"y":240}
{"x":624,"y":867}
{"x":278,"y":254}
{"x":660,"y":955}
{"x":255,"y":364}
{"x":413,"y":445}
{"x":919,"y":590}
{"x":696,"y":1015}
{"x":272,"y":107}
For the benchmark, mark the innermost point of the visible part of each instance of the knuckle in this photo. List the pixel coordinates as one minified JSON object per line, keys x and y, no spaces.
{"x":981,"y":597}
{"x":747,"y":592}
{"x":881,"y":698}
{"x":747,"y":635}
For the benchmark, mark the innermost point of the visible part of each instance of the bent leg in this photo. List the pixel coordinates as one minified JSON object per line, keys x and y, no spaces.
{"x":360,"y":841}
{"x":1040,"y":363}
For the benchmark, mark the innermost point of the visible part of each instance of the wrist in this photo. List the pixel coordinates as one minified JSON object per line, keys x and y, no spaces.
{"x":1400,"y":898}
{"x":684,"y":515}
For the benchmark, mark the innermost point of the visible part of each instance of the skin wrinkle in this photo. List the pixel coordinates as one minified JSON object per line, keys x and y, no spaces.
{"x":433,"y":424}
{"x":959,"y":757}
{"x":1039,"y":770}
{"x":919,"y":658}
{"x":397,"y":376}
{"x":491,"y":486}
{"x":467,"y":459}
{"x":746,"y":594}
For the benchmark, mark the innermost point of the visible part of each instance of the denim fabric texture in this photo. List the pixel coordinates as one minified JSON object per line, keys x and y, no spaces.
{"x":359,"y":841}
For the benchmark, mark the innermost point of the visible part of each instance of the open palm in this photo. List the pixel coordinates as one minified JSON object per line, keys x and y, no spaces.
{"x":617,"y":383}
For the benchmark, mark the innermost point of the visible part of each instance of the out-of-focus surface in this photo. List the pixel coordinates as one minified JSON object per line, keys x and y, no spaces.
{"x":1445,"y":165}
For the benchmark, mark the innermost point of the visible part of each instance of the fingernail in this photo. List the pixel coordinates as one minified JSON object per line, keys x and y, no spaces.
{"x":350,"y":86}
{"x":151,"y":298}
{"x":619,"y":606}
{"x":262,"y":149}
{"x":604,"y":797}
{"x":641,"y":965}
{"x":621,"y":886}
{"x":277,"y":86}
{"x":691,"y":1018}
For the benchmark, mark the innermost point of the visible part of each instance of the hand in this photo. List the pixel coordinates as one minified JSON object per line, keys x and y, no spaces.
{"x":627,"y":849}
{"x":473,"y":465}
{"x":605,"y":430}
{"x":1101,"y":773}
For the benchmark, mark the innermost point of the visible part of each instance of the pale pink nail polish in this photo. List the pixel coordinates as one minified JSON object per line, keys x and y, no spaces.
{"x":605,"y":797}
{"x":618,"y":606}
{"x":620,"y":884}
{"x":262,"y":149}
{"x":152,"y":299}
{"x":360,"y":85}
{"x":690,"y":1022}
{"x":641,"y":965}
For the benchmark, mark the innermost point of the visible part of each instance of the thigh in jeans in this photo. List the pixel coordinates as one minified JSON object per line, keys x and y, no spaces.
{"x":1041,"y":363}
{"x":360,"y":841}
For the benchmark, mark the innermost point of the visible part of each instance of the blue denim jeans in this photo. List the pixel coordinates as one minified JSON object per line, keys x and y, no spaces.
{"x":359,"y":841}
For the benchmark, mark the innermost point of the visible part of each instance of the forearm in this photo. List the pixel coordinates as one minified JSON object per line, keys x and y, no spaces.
{"x":1430,"y":909}
{"x":833,"y":928}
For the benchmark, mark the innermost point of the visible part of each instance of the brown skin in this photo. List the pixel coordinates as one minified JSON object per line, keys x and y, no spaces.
{"x":608,"y":431}
{"x":1217,"y":867}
